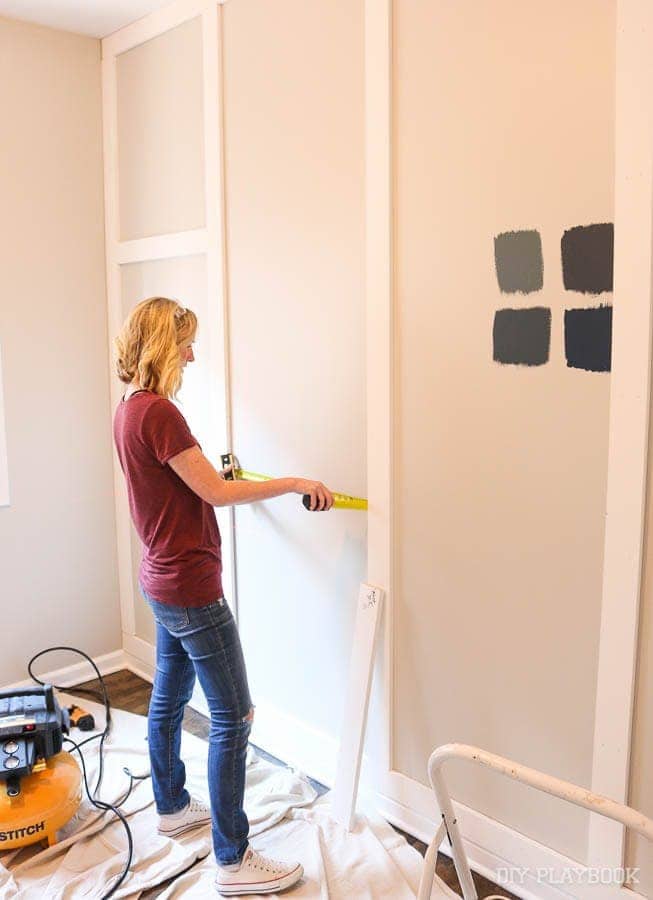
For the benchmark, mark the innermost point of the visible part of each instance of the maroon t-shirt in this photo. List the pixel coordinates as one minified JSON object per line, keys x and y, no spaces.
{"x":181,"y":561}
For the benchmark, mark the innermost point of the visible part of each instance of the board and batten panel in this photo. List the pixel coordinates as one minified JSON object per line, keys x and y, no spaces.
{"x":160,"y":134}
{"x":294,"y":148}
{"x":182,"y":279}
{"x":639,"y":852}
{"x":503,"y":122}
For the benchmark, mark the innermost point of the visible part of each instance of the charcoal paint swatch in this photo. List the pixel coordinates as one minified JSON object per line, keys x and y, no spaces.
{"x":588,"y":338}
{"x":588,"y":258}
{"x":518,"y":261}
{"x":522,"y":336}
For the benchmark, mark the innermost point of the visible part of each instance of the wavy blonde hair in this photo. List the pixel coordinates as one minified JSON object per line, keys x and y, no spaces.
{"x":148,"y":345}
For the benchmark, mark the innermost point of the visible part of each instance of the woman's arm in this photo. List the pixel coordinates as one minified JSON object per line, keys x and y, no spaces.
{"x":201,"y":477}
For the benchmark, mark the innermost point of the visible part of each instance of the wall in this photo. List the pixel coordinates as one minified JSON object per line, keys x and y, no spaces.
{"x":294,"y":186}
{"x":57,"y":538}
{"x":501,"y":486}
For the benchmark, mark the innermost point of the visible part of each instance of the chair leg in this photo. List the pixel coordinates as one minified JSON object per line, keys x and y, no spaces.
{"x":457,"y":849}
{"x":430,"y":862}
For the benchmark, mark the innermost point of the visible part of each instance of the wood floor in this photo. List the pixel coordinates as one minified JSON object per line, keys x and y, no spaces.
{"x":132,"y":693}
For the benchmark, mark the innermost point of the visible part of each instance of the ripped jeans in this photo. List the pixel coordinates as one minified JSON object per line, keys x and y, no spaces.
{"x":204,"y":642}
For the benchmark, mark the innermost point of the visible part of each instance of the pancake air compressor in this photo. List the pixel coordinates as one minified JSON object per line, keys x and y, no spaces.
{"x":40,"y":784}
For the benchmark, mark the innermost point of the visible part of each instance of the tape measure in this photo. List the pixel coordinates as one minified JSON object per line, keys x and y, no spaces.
{"x":340,"y":501}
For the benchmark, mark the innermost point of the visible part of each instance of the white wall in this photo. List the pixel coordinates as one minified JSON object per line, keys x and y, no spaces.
{"x":294,"y":186}
{"x":58,"y":580}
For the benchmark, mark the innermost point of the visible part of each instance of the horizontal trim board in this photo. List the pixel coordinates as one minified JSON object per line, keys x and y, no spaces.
{"x":161,"y":246}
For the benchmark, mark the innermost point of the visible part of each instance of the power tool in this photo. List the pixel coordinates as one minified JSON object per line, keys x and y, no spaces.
{"x":81,"y":719}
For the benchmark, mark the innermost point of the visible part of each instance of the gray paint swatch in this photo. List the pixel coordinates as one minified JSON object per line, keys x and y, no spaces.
{"x":522,"y":336}
{"x":588,"y":258}
{"x":588,"y":338}
{"x":518,"y":261}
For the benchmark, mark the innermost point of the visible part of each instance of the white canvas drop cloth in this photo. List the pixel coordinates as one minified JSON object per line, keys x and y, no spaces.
{"x":287,"y":820}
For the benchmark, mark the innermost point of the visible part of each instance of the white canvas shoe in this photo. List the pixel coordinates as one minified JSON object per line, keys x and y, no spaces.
{"x":195,"y":814}
{"x":257,"y":875}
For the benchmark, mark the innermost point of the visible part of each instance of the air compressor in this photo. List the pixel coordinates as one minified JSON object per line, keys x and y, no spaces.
{"x":40,"y":783}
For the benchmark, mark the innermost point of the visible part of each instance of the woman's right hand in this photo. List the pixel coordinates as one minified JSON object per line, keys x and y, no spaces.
{"x":321,"y":496}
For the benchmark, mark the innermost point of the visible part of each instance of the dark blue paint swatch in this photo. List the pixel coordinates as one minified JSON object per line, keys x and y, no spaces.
{"x":588,"y":338}
{"x":522,"y":336}
{"x":588,"y":258}
{"x":518,"y":261}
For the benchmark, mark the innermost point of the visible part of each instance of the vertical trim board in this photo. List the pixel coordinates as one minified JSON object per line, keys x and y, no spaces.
{"x":216,"y":266}
{"x":114,"y":321}
{"x":629,"y":416}
{"x":379,"y":303}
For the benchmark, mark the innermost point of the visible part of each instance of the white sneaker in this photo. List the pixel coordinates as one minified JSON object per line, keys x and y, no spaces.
{"x":257,"y":875}
{"x":195,"y":814}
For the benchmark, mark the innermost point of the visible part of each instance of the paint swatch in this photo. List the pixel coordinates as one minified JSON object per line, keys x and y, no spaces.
{"x":588,"y":258}
{"x":522,"y":337}
{"x":588,"y":338}
{"x":518,"y":261}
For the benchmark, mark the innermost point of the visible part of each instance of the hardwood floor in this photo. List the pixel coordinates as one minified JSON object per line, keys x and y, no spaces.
{"x":132,"y":693}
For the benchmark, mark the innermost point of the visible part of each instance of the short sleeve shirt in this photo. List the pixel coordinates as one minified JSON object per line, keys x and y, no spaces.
{"x":181,"y":562}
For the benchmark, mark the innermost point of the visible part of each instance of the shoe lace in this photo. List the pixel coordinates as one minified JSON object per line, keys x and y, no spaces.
{"x":197,"y":806}
{"x":265,"y":863}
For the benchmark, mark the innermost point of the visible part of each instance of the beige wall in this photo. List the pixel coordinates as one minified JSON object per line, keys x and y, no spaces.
{"x":57,"y":539}
{"x":294,"y":185}
{"x":500,"y":494}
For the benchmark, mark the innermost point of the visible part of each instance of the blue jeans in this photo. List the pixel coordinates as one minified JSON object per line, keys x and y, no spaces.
{"x":204,"y":642}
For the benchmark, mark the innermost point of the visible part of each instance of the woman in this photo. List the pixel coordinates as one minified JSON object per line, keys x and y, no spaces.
{"x":172,"y":489}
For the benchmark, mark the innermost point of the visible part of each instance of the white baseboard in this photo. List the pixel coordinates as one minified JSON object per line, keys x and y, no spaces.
{"x":408,"y":804}
{"x":77,"y":672}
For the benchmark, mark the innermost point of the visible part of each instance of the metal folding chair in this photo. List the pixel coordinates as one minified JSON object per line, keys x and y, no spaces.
{"x":547,"y":783}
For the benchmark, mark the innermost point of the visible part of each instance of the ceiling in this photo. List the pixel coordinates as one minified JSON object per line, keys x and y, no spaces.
{"x":97,"y":18}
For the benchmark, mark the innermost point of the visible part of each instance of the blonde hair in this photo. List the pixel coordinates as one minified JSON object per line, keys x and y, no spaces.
{"x":148,"y":345}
